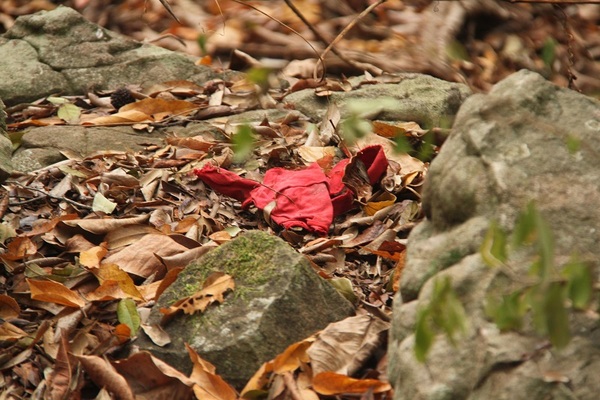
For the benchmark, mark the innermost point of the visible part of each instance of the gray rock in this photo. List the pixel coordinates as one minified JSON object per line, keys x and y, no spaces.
{"x":6,"y":147}
{"x":421,"y":98}
{"x":278,"y":300}
{"x":42,"y":146}
{"x":59,"y":51}
{"x":507,"y":147}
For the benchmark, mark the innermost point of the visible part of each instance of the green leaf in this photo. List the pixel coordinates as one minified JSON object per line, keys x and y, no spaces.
{"x":493,"y":248}
{"x":425,"y":152}
{"x":103,"y":204}
{"x":579,"y":283}
{"x":508,"y":312}
{"x":344,"y":286}
{"x":127,"y":314}
{"x":457,"y":51}
{"x":243,"y":143}
{"x":354,"y":128}
{"x":549,"y":52}
{"x":260,"y":76}
{"x":545,"y":244}
{"x":525,"y":228}
{"x":535,"y":297}
{"x":424,"y":335}
{"x":573,"y":144}
{"x":69,"y":113}
{"x":557,"y":316}
{"x":402,"y":144}
{"x":202,"y":40}
{"x":447,"y":310}
{"x":56,"y":100}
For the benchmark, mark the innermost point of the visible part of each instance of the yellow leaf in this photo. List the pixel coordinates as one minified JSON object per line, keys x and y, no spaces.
{"x":91,"y":258}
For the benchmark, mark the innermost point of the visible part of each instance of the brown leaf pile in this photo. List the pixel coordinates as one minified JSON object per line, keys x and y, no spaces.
{"x":90,"y":243}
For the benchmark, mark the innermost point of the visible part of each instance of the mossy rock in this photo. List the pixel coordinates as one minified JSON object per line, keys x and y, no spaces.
{"x":277,"y":301}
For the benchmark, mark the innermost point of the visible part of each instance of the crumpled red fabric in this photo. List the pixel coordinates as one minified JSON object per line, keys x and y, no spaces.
{"x":306,"y":198}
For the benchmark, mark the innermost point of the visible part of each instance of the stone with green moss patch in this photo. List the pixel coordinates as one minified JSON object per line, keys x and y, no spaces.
{"x":277,"y":301}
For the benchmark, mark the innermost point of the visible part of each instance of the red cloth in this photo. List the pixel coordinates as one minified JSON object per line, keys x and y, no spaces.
{"x":304,"y":198}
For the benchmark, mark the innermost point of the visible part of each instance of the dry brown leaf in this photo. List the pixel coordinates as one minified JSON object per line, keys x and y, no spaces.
{"x":105,"y":375}
{"x":92,"y":257}
{"x":9,"y":332}
{"x":379,"y":201}
{"x":195,"y":143}
{"x":259,"y":380}
{"x":330,"y":383}
{"x":214,"y":289}
{"x":112,"y":273}
{"x":19,"y":248}
{"x":77,"y":244}
{"x":104,"y":225}
{"x":54,"y":292}
{"x":59,"y":379}
{"x":9,"y":308}
{"x":293,"y":357}
{"x":122,"y":332}
{"x":208,"y":385}
{"x":169,"y":278}
{"x":140,"y":258}
{"x":152,"y":378}
{"x":127,"y":235}
{"x":157,"y":334}
{"x":344,"y":346}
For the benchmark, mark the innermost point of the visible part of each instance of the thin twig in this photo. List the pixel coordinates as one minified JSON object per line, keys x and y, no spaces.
{"x":295,"y":32}
{"x":351,"y":25}
{"x":330,"y":47}
{"x":73,"y":202}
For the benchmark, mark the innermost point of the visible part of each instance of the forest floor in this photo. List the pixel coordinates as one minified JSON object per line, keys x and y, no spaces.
{"x":45,"y":344}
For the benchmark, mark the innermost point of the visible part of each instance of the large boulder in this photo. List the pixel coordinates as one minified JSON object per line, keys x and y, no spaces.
{"x":527,"y":140}
{"x":278,"y":300}
{"x":59,"y":51}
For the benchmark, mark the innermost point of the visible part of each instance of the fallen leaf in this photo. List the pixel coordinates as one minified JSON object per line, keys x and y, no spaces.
{"x":330,"y":384}
{"x":54,"y":292}
{"x":105,"y":375}
{"x":344,"y":346}
{"x":9,"y":308}
{"x":9,"y":332}
{"x":214,"y":289}
{"x":208,"y":385}
{"x":152,"y":378}
{"x":92,"y":257}
{"x":59,"y":378}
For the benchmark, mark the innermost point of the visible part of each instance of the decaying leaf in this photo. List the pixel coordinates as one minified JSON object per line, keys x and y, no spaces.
{"x":213,"y":290}
{"x":344,"y":346}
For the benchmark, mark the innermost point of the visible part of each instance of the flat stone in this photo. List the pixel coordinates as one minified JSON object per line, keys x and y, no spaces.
{"x":42,"y":146}
{"x":420,"y":98}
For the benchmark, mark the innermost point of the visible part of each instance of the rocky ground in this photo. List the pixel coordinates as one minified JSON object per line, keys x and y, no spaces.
{"x":65,"y":224}
{"x":474,"y":41}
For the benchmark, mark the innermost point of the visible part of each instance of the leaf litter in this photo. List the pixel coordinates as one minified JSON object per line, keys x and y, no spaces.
{"x":65,"y":252}
{"x":89,"y":243}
